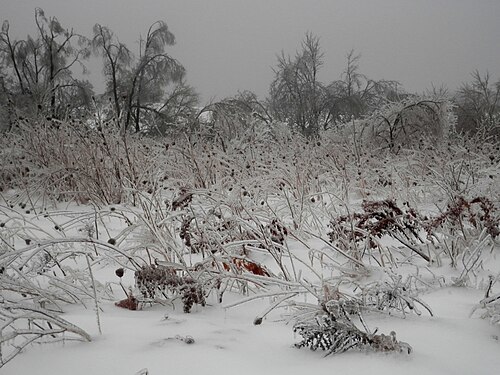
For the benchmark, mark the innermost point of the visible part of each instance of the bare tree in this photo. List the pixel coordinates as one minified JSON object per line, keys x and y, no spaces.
{"x":479,"y":105}
{"x":296,"y":94}
{"x":355,"y":95}
{"x":148,"y":88}
{"x":117,"y":58}
{"x":41,"y":66}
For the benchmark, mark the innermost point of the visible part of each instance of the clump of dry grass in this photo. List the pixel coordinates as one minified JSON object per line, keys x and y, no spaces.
{"x":74,"y":161}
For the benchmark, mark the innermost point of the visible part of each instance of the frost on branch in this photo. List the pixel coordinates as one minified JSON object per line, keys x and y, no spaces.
{"x":393,"y":295}
{"x":22,"y":324}
{"x":490,"y":304}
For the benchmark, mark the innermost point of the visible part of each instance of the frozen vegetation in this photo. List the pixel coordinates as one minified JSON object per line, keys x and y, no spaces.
{"x":347,"y":227}
{"x":122,"y":253}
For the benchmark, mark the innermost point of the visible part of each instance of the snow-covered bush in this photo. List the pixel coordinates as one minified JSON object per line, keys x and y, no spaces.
{"x":462,"y":223}
{"x":490,"y":304}
{"x":335,"y":332}
{"x":404,"y":123}
{"x":379,"y":218}
{"x":157,"y":280}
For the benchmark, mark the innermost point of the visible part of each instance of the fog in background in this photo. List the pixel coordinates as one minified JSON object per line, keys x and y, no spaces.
{"x":231,"y":45}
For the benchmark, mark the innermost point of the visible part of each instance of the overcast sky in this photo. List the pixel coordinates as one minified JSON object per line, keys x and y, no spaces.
{"x":231,"y":45}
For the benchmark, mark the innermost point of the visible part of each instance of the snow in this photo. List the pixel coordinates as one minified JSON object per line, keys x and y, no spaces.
{"x":226,"y":342}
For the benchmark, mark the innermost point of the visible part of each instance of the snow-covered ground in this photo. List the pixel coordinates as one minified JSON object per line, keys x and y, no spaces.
{"x":226,"y":342}
{"x":216,"y":339}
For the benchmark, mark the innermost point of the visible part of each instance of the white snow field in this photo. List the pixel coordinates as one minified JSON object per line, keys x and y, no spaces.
{"x":226,"y":342}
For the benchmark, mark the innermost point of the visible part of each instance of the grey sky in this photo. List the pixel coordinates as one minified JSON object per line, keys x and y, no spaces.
{"x":231,"y":45}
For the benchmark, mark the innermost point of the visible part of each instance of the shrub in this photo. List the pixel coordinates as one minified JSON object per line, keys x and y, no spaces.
{"x":336,"y":333}
{"x":157,"y":280}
